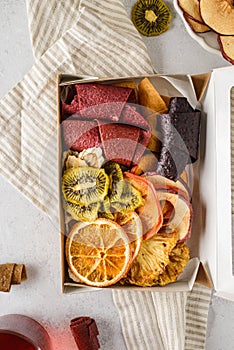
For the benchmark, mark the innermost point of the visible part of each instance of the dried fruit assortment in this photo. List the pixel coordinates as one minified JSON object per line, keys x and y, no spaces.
{"x":217,"y":16}
{"x":125,"y":192}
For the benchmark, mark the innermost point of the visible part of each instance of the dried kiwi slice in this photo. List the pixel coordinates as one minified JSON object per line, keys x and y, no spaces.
{"x":151,"y":17}
{"x":84,"y":185}
{"x":130,"y":199}
{"x":82,"y":212}
{"x":105,"y":210}
{"x":115,"y":180}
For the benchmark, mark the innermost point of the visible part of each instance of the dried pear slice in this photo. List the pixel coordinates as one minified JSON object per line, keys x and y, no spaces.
{"x":114,"y":171}
{"x":179,"y":258}
{"x":130,"y":199}
{"x":82,"y":212}
{"x":218,"y":15}
{"x":151,"y":17}
{"x":84,"y":185}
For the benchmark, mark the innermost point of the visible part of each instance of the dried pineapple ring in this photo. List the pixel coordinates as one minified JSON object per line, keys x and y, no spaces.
{"x":151,"y":17}
{"x":179,"y":258}
{"x":152,"y":260}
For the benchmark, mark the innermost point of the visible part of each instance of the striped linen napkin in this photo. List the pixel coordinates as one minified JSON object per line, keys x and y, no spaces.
{"x":88,"y":38}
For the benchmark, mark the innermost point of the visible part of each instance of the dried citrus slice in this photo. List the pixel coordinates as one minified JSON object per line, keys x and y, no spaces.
{"x":98,"y":253}
{"x":151,"y":17}
{"x":131,"y":223}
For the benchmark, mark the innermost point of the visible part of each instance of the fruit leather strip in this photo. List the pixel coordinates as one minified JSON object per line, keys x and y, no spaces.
{"x":183,"y":131}
{"x":142,"y":144}
{"x":73,"y":107}
{"x":119,"y":141}
{"x":179,"y":105}
{"x":6,"y":273}
{"x":132,"y":97}
{"x":80,"y":134}
{"x":171,"y":162}
{"x":19,"y":274}
{"x":85,"y":332}
{"x":102,"y":101}
{"x":131,"y":116}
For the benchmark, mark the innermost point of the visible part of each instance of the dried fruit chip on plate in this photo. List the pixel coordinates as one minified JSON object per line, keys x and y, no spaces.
{"x":218,"y":15}
{"x":98,"y":253}
{"x":195,"y":26}
{"x":191,"y":9}
{"x":226,"y":44}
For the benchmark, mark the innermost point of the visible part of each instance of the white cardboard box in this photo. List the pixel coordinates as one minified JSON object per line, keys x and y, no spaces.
{"x":216,"y":246}
{"x":211,"y":241}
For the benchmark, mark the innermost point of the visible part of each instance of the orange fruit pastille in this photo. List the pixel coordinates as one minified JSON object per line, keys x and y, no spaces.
{"x":98,"y":253}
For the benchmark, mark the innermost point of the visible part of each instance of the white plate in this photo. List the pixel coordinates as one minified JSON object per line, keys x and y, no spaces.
{"x":207,"y":40}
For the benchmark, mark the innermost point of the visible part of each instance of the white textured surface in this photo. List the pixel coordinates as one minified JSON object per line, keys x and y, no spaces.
{"x":27,"y":235}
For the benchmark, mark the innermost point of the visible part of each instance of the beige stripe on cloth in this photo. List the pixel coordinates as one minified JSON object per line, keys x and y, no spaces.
{"x":87,"y":38}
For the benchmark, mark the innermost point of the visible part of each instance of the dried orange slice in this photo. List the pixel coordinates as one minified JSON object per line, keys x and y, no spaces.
{"x":98,"y":253}
{"x":131,"y":223}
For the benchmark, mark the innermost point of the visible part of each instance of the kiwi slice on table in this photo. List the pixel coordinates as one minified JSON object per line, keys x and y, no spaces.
{"x":130,"y":199}
{"x":82,"y":212}
{"x":84,"y":185}
{"x":151,"y":17}
{"x":114,"y":171}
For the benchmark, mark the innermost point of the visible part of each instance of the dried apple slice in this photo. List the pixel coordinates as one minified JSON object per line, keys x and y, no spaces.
{"x":150,"y":213}
{"x":177,"y":214}
{"x":226,"y":44}
{"x":162,"y":183}
{"x":191,"y":9}
{"x":218,"y":15}
{"x":196,"y":26}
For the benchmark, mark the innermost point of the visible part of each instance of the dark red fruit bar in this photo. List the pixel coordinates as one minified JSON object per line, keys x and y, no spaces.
{"x":183,"y":131}
{"x":179,"y":105}
{"x":85,"y":332}
{"x":119,"y":141}
{"x":171,"y":163}
{"x":102,"y":101}
{"x":180,"y":137}
{"x":80,"y":134}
